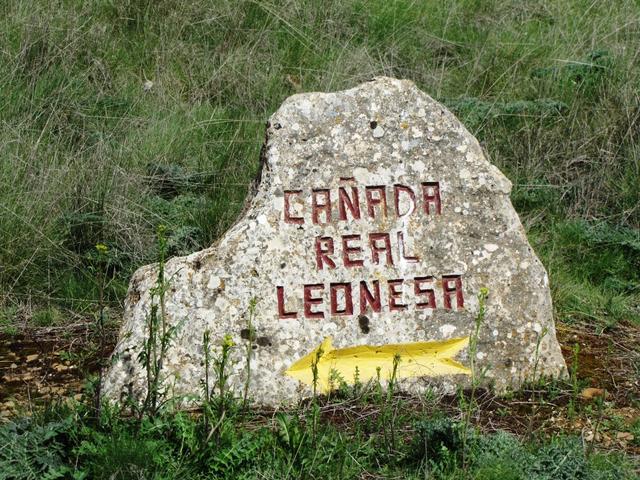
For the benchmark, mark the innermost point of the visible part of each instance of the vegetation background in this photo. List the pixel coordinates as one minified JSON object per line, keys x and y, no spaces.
{"x":117,"y":116}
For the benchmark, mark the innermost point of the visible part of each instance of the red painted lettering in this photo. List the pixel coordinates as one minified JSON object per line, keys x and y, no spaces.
{"x":380,"y":199}
{"x":376,"y":248}
{"x":288,"y":216}
{"x":348,"y":299}
{"x":395,"y":295}
{"x":310,"y":300}
{"x":347,"y":250}
{"x":320,"y":202}
{"x":348,"y":203}
{"x":281,"y":308}
{"x":431,"y":196}
{"x":421,"y":289}
{"x":366,"y":297}
{"x":324,"y":248}
{"x":448,"y":290}
{"x":397,"y":189}
{"x":403,"y":253}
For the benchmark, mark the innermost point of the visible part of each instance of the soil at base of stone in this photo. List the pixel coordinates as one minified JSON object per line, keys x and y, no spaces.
{"x":40,"y":365}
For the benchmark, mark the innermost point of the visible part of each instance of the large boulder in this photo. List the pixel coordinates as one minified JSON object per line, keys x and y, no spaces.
{"x":376,"y":220}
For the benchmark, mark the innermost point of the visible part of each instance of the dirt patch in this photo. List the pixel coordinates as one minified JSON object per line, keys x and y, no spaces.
{"x":39,"y":365}
{"x":609,"y":361}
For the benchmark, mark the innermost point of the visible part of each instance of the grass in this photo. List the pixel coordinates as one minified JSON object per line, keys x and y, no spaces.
{"x":92,"y":155}
{"x":66,"y":441}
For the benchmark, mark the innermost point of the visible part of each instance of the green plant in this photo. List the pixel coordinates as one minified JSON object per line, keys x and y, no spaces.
{"x":437,"y":440}
{"x":575,"y":390}
{"x":222,"y":374}
{"x":539,"y":337}
{"x":389,"y":408}
{"x":158,"y":338}
{"x":206,"y":346}
{"x":47,"y":317}
{"x":8,"y":320}
{"x":249,"y":352}
{"x":314,"y":371}
{"x":216,"y":407}
{"x":600,"y":409}
{"x":100,"y":266}
{"x":477,"y":375}
{"x":123,"y":455}
{"x":635,"y":431}
{"x":32,"y":451}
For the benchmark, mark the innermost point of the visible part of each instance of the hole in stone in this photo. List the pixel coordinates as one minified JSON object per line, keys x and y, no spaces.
{"x":264,"y":341}
{"x":363,"y":321}
{"x":373,"y":124}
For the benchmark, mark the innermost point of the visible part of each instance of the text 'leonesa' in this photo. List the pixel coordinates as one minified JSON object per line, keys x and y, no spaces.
{"x":371,"y":205}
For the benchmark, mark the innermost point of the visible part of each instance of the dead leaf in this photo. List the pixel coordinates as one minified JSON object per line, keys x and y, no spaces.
{"x":592,"y":393}
{"x":624,"y":436}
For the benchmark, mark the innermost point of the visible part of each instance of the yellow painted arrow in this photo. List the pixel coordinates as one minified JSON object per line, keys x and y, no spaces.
{"x":416,"y":360}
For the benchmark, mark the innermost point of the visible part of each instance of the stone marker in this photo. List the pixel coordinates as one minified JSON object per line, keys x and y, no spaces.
{"x":376,"y":220}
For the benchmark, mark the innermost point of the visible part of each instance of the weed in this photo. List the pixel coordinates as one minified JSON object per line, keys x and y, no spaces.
{"x":222,"y":374}
{"x":158,"y":338}
{"x":206,"y":346}
{"x":573,"y":374}
{"x":436,"y":441}
{"x":216,"y":407}
{"x":47,"y":317}
{"x":32,"y":451}
{"x":8,"y":320}
{"x":543,"y":333}
{"x":477,"y":375}
{"x":389,"y":409}
{"x":250,"y":316}
{"x":314,"y":371}
{"x":66,"y":442}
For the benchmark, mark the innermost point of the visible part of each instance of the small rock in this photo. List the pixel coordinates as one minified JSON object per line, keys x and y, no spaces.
{"x":378,"y":132}
{"x":32,"y":357}
{"x":147,"y":85}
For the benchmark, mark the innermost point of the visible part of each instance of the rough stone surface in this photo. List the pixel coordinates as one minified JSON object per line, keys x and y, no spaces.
{"x":460,"y":234}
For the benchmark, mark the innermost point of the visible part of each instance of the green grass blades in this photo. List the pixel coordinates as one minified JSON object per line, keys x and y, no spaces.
{"x":67,"y":442}
{"x":120,"y":116}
